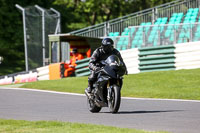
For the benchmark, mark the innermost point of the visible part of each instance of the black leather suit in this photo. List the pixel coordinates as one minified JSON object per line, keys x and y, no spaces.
{"x":98,"y":55}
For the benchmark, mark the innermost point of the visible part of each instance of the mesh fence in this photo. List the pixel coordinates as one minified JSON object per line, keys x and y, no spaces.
{"x":34,"y":32}
{"x":134,"y":19}
{"x":157,"y":35}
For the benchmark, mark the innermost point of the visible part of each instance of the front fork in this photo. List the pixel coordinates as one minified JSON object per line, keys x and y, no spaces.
{"x":110,"y":87}
{"x":106,"y":82}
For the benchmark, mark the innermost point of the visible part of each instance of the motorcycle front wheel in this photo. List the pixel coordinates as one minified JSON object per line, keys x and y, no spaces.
{"x":92,"y":107}
{"x":115,"y":99}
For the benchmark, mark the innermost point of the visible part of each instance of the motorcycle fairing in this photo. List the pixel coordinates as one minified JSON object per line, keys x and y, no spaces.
{"x":110,"y":71}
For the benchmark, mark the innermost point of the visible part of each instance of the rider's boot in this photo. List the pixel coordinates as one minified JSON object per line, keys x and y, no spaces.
{"x":90,"y":87}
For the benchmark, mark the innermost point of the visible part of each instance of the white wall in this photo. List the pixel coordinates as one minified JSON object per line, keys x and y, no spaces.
{"x":131,"y":59}
{"x":187,"y":55}
{"x":43,"y":73}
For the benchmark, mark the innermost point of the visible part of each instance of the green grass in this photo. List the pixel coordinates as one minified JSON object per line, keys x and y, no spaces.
{"x":71,"y":84}
{"x":20,"y":126}
{"x":180,"y":84}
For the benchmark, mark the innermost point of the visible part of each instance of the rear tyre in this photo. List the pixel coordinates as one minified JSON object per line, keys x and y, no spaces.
{"x":115,"y":99}
{"x":92,"y":107}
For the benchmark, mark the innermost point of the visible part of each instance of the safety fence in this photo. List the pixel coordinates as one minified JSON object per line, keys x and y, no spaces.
{"x":156,"y":58}
{"x":82,"y":67}
{"x":130,"y":58}
{"x":19,"y":78}
{"x":135,"y":19}
{"x":157,"y":35}
{"x":187,"y":56}
{"x":43,"y":73}
{"x":50,"y":72}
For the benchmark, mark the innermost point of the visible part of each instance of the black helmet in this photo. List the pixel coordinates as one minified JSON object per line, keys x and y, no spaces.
{"x":107,"y":45}
{"x":107,"y":41}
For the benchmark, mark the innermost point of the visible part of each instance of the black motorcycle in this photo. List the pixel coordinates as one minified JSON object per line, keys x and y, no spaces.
{"x":107,"y":88}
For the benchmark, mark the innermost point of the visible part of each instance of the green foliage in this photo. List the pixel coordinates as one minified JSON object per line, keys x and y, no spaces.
{"x":91,"y":12}
{"x":11,"y":35}
{"x":181,"y":84}
{"x":75,"y":14}
{"x":20,"y":126}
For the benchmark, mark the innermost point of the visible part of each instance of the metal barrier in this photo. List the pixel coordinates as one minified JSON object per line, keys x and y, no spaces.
{"x":148,"y":15}
{"x":158,"y":35}
{"x":82,"y":67}
{"x":157,"y":58}
{"x":187,"y":56}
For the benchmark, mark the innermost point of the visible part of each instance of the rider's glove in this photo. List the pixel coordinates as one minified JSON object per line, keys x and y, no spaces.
{"x":97,"y":69}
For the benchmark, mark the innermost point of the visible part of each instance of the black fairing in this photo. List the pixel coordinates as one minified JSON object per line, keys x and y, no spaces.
{"x":114,"y":67}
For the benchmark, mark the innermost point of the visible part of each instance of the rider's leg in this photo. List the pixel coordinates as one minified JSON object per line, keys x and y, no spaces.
{"x":91,"y":79}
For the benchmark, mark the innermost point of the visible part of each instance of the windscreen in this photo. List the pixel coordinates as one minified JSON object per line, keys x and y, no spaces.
{"x":113,"y":60}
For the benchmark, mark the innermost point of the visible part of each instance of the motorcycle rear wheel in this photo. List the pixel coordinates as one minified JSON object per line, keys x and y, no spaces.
{"x":92,"y":107}
{"x":115,"y":99}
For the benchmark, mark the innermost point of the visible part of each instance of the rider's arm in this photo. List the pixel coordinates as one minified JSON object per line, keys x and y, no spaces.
{"x":93,"y":60}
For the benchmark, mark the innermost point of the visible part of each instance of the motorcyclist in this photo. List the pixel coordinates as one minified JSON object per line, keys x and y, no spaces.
{"x":101,"y":53}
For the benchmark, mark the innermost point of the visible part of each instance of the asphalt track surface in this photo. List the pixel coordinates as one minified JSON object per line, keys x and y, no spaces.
{"x":175,"y":116}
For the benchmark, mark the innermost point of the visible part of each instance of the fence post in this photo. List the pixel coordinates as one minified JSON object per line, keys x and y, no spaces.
{"x":143,"y":35}
{"x":199,"y":3}
{"x":175,"y":35}
{"x":43,"y":32}
{"x":58,"y":27}
{"x":105,"y":29}
{"x":108,"y":28}
{"x":154,"y":14}
{"x":25,"y":39}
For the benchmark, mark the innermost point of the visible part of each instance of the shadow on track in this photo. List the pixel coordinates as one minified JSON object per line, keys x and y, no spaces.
{"x":144,"y":112}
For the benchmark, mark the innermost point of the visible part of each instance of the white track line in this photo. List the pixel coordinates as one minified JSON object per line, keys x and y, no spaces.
{"x":76,"y":94}
{"x":54,"y":92}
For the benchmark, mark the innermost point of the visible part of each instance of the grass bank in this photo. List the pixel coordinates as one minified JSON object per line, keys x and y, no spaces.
{"x":19,"y":126}
{"x":180,"y":84}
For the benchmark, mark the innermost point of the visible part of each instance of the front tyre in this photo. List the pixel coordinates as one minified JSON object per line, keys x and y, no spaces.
{"x":92,"y":107}
{"x":115,"y":99}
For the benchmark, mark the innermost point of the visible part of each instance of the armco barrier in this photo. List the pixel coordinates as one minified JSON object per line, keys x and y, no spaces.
{"x":43,"y":73}
{"x":6,"y":80}
{"x":157,"y":58}
{"x":130,"y":58}
{"x":29,"y":77}
{"x":178,"y":56}
{"x":187,"y":55}
{"x":20,"y":77}
{"x":82,"y":67}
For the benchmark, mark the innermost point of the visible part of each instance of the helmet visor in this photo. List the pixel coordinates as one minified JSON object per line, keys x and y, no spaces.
{"x":108,"y":48}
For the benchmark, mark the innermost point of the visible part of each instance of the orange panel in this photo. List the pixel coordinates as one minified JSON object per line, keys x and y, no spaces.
{"x":54,"y":71}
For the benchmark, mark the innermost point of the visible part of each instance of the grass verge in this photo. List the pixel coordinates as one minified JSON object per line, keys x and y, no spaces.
{"x":20,"y":126}
{"x":180,"y":84}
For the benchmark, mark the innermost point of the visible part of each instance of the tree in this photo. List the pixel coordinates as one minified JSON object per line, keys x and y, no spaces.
{"x":91,"y":12}
{"x":75,"y":14}
{"x":11,"y":34}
